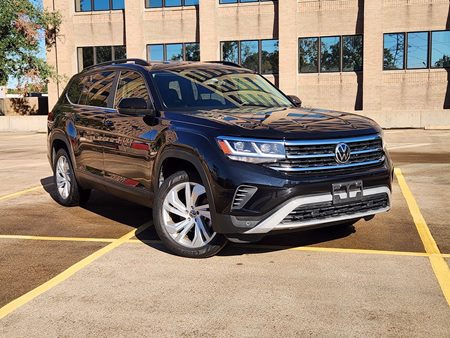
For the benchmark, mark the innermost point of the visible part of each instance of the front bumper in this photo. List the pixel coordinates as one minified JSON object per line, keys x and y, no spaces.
{"x":275,"y":221}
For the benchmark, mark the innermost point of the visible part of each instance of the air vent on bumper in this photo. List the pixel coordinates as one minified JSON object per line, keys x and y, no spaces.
{"x":242,"y":196}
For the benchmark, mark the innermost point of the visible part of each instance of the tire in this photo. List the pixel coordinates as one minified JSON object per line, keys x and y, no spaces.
{"x":185,"y":228}
{"x":68,"y":191}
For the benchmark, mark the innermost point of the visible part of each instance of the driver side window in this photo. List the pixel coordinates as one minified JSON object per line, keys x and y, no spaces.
{"x":131,"y":84}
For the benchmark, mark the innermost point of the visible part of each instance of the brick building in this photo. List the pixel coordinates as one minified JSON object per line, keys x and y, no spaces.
{"x":387,"y":59}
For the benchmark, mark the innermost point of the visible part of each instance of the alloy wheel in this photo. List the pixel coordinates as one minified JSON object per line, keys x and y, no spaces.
{"x":186,"y":215}
{"x":63,"y":180}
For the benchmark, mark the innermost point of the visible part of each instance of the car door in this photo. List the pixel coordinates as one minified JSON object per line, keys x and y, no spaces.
{"x":89,"y":117}
{"x":129,"y":157}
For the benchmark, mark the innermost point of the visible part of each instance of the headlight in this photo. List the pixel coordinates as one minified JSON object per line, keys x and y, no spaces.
{"x":251,"y":150}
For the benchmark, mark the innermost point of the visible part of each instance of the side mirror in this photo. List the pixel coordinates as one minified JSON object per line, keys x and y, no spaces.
{"x":134,"y":106}
{"x":295,"y":100}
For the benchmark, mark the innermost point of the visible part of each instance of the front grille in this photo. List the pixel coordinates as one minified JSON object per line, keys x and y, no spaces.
{"x":307,"y":156}
{"x":329,"y":210}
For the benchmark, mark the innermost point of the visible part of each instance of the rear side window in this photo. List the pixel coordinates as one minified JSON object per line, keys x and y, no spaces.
{"x":131,"y":84}
{"x":74,"y":91}
{"x":97,"y":88}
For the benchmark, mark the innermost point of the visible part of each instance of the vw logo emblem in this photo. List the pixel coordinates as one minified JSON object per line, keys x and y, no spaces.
{"x":342,"y":153}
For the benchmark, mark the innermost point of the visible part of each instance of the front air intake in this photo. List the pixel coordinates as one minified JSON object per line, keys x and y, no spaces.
{"x":242,"y":196}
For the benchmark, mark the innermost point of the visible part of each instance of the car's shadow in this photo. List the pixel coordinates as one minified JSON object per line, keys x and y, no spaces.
{"x":134,"y":215}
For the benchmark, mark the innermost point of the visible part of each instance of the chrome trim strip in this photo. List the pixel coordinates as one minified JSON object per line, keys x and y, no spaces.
{"x":357,"y":152}
{"x":339,"y":166}
{"x":310,"y":156}
{"x":246,"y":139}
{"x":333,"y":141}
{"x":273,"y":222}
{"x":367,"y":151}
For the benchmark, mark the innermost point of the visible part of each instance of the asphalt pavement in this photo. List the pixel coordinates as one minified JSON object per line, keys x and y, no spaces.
{"x":85,"y":271}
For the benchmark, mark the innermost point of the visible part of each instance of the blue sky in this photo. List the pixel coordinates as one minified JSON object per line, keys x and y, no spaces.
{"x":12,"y":83}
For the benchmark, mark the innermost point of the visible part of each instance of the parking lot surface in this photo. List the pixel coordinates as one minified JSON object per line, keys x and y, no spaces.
{"x":86,"y":271}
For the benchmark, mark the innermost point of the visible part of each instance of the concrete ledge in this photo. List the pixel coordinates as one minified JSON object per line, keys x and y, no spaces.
{"x":23,"y":123}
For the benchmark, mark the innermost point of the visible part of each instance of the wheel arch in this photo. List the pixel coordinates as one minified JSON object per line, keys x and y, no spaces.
{"x":59,"y":141}
{"x":179,"y":160}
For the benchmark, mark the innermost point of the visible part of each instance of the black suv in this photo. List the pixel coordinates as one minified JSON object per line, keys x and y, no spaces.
{"x":216,"y":150}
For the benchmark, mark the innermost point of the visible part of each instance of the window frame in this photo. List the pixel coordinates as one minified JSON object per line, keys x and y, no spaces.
{"x":320,"y":54}
{"x":259,"y":53}
{"x":119,"y":71}
{"x":163,"y":5}
{"x":98,"y":10}
{"x":430,"y":41}
{"x":94,"y":56}
{"x":428,"y":51}
{"x":341,"y":54}
{"x":164,"y":45}
{"x":111,"y":97}
{"x":404,"y":51}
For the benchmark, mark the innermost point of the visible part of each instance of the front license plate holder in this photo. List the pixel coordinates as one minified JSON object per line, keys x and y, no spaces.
{"x":347,"y":192}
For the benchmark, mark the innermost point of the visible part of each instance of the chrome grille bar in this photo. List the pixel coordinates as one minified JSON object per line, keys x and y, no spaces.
{"x":319,"y":155}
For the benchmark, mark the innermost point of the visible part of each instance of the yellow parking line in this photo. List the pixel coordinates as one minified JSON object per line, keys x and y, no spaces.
{"x":19,"y":193}
{"x":363,"y":251}
{"x":24,"y":299}
{"x":49,"y":238}
{"x":336,"y":250}
{"x":255,"y":246}
{"x":439,"y":265}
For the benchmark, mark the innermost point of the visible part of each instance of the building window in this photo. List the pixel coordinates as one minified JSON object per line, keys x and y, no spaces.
{"x":88,"y":56}
{"x":269,"y":56}
{"x":258,"y":55}
{"x":308,"y":54}
{"x":440,"y":49}
{"x":230,"y":51}
{"x":352,"y":53}
{"x":169,"y":3}
{"x":394,"y":51}
{"x":332,"y":53}
{"x":98,"y":5}
{"x":416,"y":50}
{"x":250,"y":54}
{"x":241,"y":1}
{"x":174,"y":52}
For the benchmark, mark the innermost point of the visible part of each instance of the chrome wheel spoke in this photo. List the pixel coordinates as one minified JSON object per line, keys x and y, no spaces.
{"x":177,"y":227}
{"x":196,"y":193}
{"x":202,"y":230}
{"x":183,"y":233}
{"x":187,"y":192}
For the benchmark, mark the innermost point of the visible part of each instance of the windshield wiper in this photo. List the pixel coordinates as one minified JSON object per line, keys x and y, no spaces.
{"x":255,"y":105}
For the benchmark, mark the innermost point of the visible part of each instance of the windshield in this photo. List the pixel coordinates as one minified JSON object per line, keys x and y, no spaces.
{"x":193,"y":89}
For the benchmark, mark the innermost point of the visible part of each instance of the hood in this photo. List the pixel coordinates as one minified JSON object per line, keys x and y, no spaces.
{"x":288,"y":123}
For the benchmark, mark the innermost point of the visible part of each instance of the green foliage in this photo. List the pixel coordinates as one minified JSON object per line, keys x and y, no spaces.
{"x":22,"y":25}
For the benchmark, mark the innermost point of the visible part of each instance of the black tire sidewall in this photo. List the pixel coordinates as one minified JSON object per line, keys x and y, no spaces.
{"x":208,"y":250}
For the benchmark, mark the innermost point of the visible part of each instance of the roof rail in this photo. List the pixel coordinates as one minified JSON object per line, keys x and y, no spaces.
{"x":226,"y":63}
{"x":140,"y":62}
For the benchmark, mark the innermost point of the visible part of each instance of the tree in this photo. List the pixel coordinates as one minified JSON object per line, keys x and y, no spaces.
{"x":22,"y":25}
